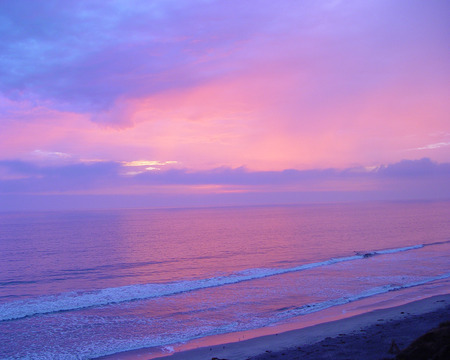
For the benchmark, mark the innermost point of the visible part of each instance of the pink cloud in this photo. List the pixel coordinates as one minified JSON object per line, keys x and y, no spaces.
{"x":290,"y":84}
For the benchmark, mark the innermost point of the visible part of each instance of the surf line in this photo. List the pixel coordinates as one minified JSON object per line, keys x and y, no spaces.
{"x":314,"y":307}
{"x":110,"y":296}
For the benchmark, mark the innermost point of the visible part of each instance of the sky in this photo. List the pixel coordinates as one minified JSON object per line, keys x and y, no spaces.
{"x":168,"y":103}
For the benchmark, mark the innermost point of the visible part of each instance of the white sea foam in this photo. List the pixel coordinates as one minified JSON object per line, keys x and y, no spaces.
{"x":87,"y":299}
{"x":166,"y":343}
{"x":391,"y":251}
{"x":311,"y":308}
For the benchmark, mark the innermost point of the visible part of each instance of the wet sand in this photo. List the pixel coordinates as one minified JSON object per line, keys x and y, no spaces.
{"x":367,"y":336}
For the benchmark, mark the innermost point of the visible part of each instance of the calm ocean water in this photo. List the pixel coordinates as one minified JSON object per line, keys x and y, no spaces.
{"x":79,"y":285}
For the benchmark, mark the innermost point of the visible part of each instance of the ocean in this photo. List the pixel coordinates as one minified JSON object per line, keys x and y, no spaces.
{"x":87,"y":284}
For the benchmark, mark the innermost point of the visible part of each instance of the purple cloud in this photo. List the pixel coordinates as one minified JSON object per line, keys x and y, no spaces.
{"x":25,"y":177}
{"x":83,"y":56}
{"x":28,"y":177}
{"x":26,"y":186}
{"x":86,"y":54}
{"x":415,"y":169}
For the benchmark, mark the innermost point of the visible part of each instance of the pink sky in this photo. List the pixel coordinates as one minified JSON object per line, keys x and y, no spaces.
{"x":124,"y":90}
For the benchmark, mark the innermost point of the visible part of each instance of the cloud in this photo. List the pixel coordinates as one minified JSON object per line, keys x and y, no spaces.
{"x":53,"y":155}
{"x":220,"y":84}
{"x":105,"y":185}
{"x":26,"y":177}
{"x":415,"y":169}
{"x":147,"y":163}
{"x":236,"y":176}
{"x":23,"y":177}
{"x":434,"y":146}
{"x":84,"y":55}
{"x":94,"y":56}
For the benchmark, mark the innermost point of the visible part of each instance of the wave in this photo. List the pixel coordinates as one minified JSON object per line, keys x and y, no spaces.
{"x":165,"y":343}
{"x":311,"y":308}
{"x":78,"y":300}
{"x":437,"y":243}
{"x":390,"y":251}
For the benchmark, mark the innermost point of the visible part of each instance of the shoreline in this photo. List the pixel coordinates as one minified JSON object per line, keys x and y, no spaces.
{"x":358,"y":336}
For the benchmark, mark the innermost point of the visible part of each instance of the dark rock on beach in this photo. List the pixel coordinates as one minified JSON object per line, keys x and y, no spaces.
{"x":434,"y":345}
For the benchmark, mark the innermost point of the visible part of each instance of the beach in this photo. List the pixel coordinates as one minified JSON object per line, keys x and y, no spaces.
{"x":368,"y":336}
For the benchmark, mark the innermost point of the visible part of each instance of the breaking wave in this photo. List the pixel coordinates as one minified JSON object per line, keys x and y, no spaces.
{"x":77,"y":300}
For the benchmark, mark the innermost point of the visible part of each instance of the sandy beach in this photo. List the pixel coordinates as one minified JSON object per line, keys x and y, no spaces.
{"x":366,"y":336}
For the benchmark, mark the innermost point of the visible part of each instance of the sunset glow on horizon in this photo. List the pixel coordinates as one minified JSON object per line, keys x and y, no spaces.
{"x":257,"y":99}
